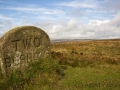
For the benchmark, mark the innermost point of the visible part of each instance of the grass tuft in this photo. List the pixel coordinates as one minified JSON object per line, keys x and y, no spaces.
{"x":90,"y":65}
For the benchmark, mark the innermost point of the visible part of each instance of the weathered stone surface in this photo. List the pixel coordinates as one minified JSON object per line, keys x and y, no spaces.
{"x":22,"y":45}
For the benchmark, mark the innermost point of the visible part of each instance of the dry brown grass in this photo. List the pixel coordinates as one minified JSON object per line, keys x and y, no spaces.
{"x":90,"y":65}
{"x":103,"y":51}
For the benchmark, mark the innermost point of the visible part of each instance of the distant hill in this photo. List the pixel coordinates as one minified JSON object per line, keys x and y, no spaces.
{"x":72,"y":40}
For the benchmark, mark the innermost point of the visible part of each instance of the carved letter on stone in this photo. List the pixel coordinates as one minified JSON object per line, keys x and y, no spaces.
{"x":37,"y":42}
{"x":16,"y":44}
{"x":7,"y":61}
{"x":22,"y":45}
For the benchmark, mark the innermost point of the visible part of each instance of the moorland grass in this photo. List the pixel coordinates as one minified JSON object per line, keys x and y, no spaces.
{"x":90,"y":65}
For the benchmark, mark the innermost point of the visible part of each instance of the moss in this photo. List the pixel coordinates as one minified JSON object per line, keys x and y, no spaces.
{"x":31,"y":43}
{"x":20,"y":28}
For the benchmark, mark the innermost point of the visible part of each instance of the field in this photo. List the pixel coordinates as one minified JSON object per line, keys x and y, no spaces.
{"x":73,"y":65}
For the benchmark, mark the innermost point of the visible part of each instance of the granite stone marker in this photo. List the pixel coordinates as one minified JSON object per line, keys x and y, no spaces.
{"x":22,"y":45}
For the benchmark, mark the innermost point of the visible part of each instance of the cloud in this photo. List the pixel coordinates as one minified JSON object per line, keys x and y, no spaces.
{"x":97,"y":6}
{"x":66,"y":21}
{"x":34,"y":10}
{"x":95,"y":29}
{"x":109,"y":6}
{"x":116,"y":21}
{"x":2,"y":17}
{"x":35,"y":13}
{"x":76,"y":13}
{"x":79,"y":9}
{"x":97,"y":22}
{"x":78,"y":4}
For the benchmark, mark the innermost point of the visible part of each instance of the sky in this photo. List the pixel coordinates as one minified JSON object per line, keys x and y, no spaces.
{"x":63,"y":19}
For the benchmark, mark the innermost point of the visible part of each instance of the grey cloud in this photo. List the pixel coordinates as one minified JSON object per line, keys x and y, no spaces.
{"x":110,"y":5}
{"x":72,"y":28}
{"x":2,"y":17}
{"x":34,"y":10}
{"x":79,"y":4}
{"x":76,"y":13}
{"x":116,"y":21}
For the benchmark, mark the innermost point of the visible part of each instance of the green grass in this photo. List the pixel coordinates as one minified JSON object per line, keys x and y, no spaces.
{"x":93,"y":65}
{"x":90,"y":79}
{"x":42,"y":73}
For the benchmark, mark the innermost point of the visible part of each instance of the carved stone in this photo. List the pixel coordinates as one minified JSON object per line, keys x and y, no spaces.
{"x":22,"y":45}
